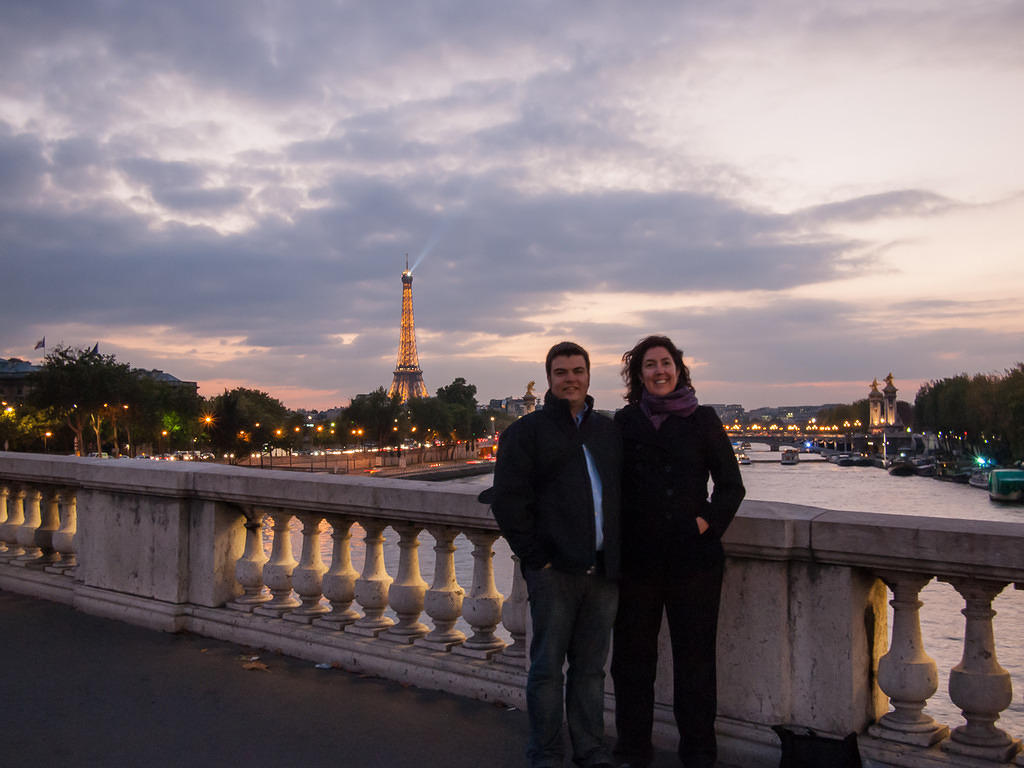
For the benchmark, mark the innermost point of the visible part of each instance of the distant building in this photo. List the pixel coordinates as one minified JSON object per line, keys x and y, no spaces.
{"x":730,"y":414}
{"x":14,"y":373}
{"x":158,"y":375}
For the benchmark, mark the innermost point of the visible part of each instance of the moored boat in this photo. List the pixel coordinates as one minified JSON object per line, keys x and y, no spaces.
{"x":979,"y":478}
{"x":902,"y":468}
{"x":1006,"y":485}
{"x":790,"y":456}
{"x":742,"y":458}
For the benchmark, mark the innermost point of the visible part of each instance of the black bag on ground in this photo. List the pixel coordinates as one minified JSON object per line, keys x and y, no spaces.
{"x":803,"y":748}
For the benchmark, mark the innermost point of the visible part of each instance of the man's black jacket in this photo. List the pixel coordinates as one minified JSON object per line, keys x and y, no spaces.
{"x":542,"y":498}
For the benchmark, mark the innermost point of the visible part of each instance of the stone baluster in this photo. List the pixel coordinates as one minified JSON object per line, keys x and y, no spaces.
{"x":49,"y":525}
{"x":64,"y":536}
{"x":443,"y":601}
{"x":1020,"y":755}
{"x":514,"y":615}
{"x":307,"y":578}
{"x":406,"y":594}
{"x":482,"y":608}
{"x":249,"y":568}
{"x":373,"y":584}
{"x":339,"y":583}
{"x":31,"y":552}
{"x":907,"y":675}
{"x":15,"y":518}
{"x":5,"y":493}
{"x":978,"y":685}
{"x":277,"y":573}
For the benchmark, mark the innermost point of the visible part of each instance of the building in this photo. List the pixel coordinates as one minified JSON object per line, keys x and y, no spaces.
{"x":14,"y":373}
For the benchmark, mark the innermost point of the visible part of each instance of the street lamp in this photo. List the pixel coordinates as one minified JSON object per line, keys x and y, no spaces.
{"x":492,"y":427}
{"x":46,"y":436}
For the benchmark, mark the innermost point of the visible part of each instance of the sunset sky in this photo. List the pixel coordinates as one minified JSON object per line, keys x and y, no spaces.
{"x":804,"y":195}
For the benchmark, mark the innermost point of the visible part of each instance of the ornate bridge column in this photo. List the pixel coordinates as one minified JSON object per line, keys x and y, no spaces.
{"x":64,"y":536}
{"x":5,"y":493}
{"x":277,"y":573}
{"x":307,"y":578}
{"x":514,"y":615}
{"x":373,"y":585}
{"x":443,"y":601}
{"x":907,"y":675}
{"x":482,"y":609}
{"x":978,"y":685}
{"x":249,"y":568}
{"x":15,"y":519}
{"x":407,"y":593}
{"x":31,"y":552}
{"x":339,"y":583}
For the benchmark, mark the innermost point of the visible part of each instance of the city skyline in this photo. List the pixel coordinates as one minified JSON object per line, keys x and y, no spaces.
{"x":805,"y":198}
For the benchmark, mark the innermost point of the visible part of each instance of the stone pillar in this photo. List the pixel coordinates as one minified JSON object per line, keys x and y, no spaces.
{"x":5,"y":492}
{"x":515,"y":613}
{"x":26,"y":535}
{"x":407,"y":593}
{"x":15,"y":518}
{"x":64,"y":536}
{"x":339,"y":583}
{"x":277,"y":573}
{"x":482,"y":609}
{"x":907,"y":675}
{"x":978,"y":685}
{"x":443,"y":601}
{"x":373,"y":585}
{"x":307,"y":578}
{"x":249,"y":568}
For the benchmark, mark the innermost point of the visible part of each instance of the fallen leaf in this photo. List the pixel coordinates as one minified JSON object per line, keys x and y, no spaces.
{"x":255,"y":665}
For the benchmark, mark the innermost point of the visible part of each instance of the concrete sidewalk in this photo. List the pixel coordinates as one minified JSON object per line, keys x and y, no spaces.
{"x":84,"y":691}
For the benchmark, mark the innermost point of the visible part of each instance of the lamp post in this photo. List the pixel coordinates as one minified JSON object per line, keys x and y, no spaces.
{"x":46,"y":436}
{"x":492,"y":428}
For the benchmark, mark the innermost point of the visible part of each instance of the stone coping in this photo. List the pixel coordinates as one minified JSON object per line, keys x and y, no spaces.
{"x":945,"y":547}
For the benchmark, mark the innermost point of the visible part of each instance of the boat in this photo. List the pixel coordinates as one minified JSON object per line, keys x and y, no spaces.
{"x":742,"y":458}
{"x":979,"y":478}
{"x":790,"y":456}
{"x":1006,"y":485}
{"x":902,"y":467}
{"x":924,"y":466}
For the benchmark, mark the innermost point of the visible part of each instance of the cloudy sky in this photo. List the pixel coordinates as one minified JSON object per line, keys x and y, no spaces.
{"x":804,"y":195}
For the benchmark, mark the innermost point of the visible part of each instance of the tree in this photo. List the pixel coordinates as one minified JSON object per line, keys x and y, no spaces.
{"x":376,"y":414}
{"x":80,"y":386}
{"x":460,"y":398}
{"x":244,"y":420}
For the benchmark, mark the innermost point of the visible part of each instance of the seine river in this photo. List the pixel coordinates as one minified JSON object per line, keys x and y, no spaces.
{"x":814,"y":482}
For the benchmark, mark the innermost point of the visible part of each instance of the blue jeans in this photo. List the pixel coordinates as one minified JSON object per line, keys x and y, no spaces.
{"x":572,"y":617}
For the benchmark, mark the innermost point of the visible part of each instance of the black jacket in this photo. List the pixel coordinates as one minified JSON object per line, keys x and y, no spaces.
{"x":665,"y":490}
{"x":542,"y":497}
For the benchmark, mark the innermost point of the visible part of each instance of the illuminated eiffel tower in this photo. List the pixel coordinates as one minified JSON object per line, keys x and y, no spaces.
{"x":408,"y":381}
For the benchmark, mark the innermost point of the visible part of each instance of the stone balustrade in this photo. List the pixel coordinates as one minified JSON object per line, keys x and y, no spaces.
{"x":804,"y":633}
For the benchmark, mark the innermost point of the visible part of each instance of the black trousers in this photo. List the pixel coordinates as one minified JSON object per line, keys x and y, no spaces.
{"x":691,"y":601}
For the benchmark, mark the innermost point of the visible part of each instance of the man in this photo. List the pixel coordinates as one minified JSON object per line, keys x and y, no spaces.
{"x":556,"y":499}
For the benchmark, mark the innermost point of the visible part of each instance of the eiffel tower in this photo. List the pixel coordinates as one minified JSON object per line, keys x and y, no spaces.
{"x":408,"y":381}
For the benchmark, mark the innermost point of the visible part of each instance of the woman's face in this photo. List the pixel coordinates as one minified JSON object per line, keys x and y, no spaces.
{"x":658,"y":371}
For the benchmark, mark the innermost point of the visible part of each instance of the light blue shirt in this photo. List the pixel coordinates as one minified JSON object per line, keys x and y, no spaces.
{"x":595,"y":487}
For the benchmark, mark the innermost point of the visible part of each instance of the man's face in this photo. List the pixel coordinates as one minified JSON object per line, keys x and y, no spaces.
{"x":569,"y":379}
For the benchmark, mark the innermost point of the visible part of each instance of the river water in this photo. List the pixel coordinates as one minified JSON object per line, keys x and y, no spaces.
{"x":814,"y":482}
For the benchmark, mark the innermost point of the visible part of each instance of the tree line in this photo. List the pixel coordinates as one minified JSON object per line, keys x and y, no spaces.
{"x":986,"y":411}
{"x":81,"y":401}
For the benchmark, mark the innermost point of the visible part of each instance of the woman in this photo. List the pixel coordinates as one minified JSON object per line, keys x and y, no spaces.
{"x":672,"y":556}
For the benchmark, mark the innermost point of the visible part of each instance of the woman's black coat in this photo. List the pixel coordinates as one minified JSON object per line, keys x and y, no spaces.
{"x":665,"y":489}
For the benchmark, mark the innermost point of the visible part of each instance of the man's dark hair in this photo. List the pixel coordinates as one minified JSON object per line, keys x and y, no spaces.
{"x":633,"y":360}
{"x":565,"y":349}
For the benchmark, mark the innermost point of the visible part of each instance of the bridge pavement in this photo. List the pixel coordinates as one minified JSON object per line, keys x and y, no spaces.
{"x":85,"y":691}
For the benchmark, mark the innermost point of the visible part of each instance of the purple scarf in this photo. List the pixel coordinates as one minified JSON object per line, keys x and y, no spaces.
{"x":681,"y":402}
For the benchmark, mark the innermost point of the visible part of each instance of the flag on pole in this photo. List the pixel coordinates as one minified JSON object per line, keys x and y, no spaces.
{"x":41,"y":344}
